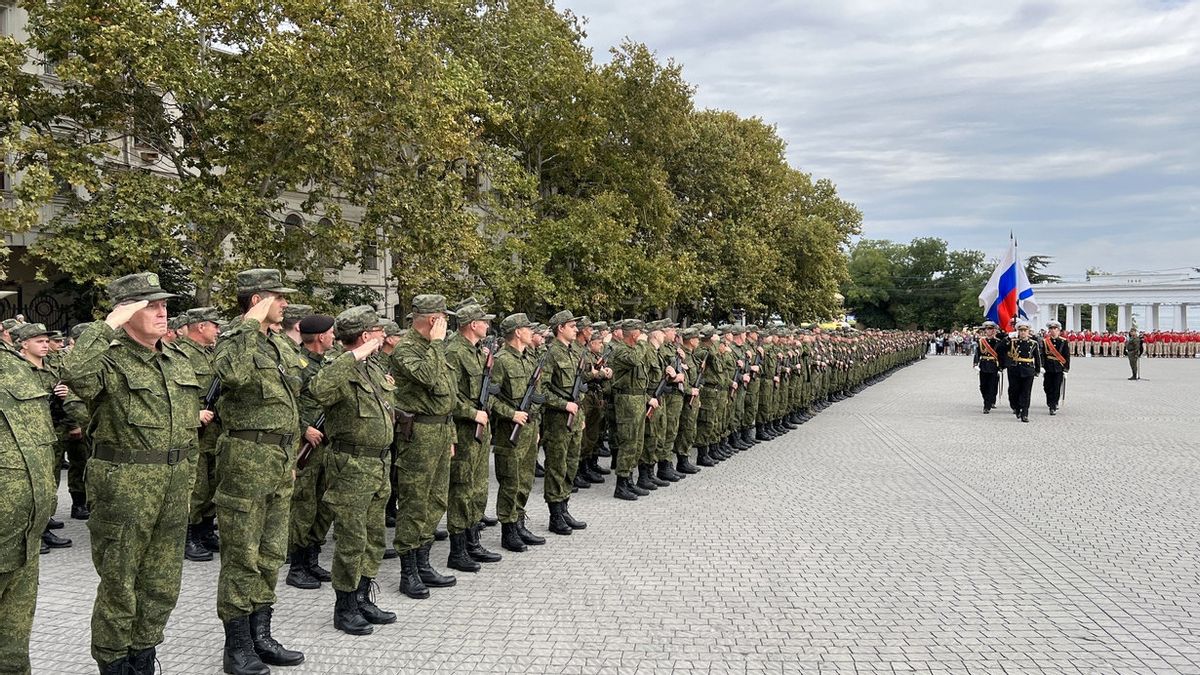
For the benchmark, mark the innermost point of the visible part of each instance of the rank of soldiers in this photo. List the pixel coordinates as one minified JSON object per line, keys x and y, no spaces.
{"x":258,"y":437}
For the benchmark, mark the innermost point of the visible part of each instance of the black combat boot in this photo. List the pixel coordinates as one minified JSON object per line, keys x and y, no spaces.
{"x":716,"y":452}
{"x":527,"y":536}
{"x":558,"y":524}
{"x":345,"y":614}
{"x":208,"y":534}
{"x":510,"y":538}
{"x":683,"y":465}
{"x":267,"y":647}
{"x":429,"y":576}
{"x":594,"y":463}
{"x":142,"y":663}
{"x":441,"y":535}
{"x":737,"y":442}
{"x":643,"y":480}
{"x":389,"y":518}
{"x":489,"y":521}
{"x":702,"y":458}
{"x":314,"y":568}
{"x":633,"y":487}
{"x":574,"y":522}
{"x":367,"y":607}
{"x":410,"y":579}
{"x":539,"y":471}
{"x":603,"y":448}
{"x":459,"y":558}
{"x":667,"y":472}
{"x":585,"y":469}
{"x":580,"y":481}
{"x":748,"y":437}
{"x":1024,"y":414}
{"x":192,"y":548}
{"x":623,"y":490}
{"x":54,"y":541}
{"x":298,"y":573}
{"x":787,"y":423}
{"x":121,"y":666}
{"x":54,"y":524}
{"x":239,"y":657}
{"x":760,"y":433}
{"x":612,"y":462}
{"x":79,"y":509}
{"x":476,"y":550}
{"x":1054,"y":411}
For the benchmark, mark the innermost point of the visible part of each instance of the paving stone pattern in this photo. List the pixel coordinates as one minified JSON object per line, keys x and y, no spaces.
{"x":899,"y":531}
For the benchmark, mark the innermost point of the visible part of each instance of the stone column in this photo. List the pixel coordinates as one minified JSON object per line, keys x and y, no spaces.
{"x":1099,"y":312}
{"x":1154,"y":316}
{"x":1124,"y":317}
{"x":1051,"y":313}
{"x":1179,"y":317}
{"x":1072,"y":316}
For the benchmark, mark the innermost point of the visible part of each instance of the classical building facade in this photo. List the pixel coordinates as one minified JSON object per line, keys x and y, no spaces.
{"x":1156,"y":301}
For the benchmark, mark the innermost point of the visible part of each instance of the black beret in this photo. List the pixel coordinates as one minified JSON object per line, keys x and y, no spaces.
{"x":315,"y":323}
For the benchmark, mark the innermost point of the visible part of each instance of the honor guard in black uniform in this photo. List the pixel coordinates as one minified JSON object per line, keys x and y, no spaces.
{"x":989,"y":359}
{"x":1056,"y":359}
{"x":1024,"y":363}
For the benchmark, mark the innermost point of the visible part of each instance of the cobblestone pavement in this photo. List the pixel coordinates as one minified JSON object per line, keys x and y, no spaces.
{"x":900,"y":530}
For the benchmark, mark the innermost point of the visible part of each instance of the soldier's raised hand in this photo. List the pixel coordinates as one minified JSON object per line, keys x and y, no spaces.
{"x":366,"y":349}
{"x":122,"y":313}
{"x":261,"y":309}
{"x":438,"y":331}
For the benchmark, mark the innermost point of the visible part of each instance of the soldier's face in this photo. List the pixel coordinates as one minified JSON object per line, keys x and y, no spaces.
{"x":1054,"y":332}
{"x":205,"y":333}
{"x":149,"y":321}
{"x":37,"y":347}
{"x":277,"y":307}
{"x":568,"y":331}
{"x":692,"y":343}
{"x":525,"y":335}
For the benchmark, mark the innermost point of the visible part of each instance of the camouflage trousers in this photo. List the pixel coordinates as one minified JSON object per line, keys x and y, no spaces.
{"x":253,"y":498}
{"x":202,"y":506}
{"x":77,"y":454}
{"x":311,"y":516}
{"x":18,"y":599}
{"x":672,"y":409}
{"x":468,"y":480}
{"x":358,"y":489}
{"x":423,"y":483}
{"x":686,"y":436}
{"x":630,"y":416}
{"x":597,"y":422}
{"x":712,"y":400}
{"x":137,"y":525}
{"x":750,"y":409}
{"x":655,"y":430}
{"x":514,"y":471}
{"x":562,"y":453}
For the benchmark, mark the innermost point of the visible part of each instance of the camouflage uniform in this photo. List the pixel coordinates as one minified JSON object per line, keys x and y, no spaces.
{"x":145,"y":415}
{"x":514,"y":461}
{"x":629,"y":401}
{"x":26,"y":500}
{"x":469,"y":467}
{"x":311,"y":517}
{"x":562,"y":441}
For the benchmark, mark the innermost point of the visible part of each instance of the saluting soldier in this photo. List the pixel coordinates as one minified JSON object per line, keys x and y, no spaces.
{"x":256,"y":467}
{"x":1024,"y":361}
{"x":989,"y":360}
{"x":197,"y":338}
{"x":1056,"y":359}
{"x":26,"y":499}
{"x":145,"y":403}
{"x":357,"y":399}
{"x":290,"y":325}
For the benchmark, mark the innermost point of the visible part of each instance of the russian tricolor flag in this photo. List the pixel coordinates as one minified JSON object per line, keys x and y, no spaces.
{"x":1008,"y":293}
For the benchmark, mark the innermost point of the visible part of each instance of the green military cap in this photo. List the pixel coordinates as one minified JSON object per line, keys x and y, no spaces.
{"x":259,"y":280}
{"x":391,"y":328}
{"x":430,"y":303}
{"x":751,"y":328}
{"x":690,"y":332}
{"x":201,"y":314}
{"x":355,"y":320}
{"x":598,"y":326}
{"x":471,"y":300}
{"x":293,"y":313}
{"x":315,"y":324}
{"x":10,"y":324}
{"x":560,"y":318}
{"x":538,"y":327}
{"x":708,"y":331}
{"x":57,"y":335}
{"x":583,"y":322}
{"x":514,"y":321}
{"x":78,"y":329}
{"x":670,"y":323}
{"x":630,"y":324}
{"x":175,"y":322}
{"x":737,"y":330}
{"x":657,"y":324}
{"x":725,"y":327}
{"x":28,"y":331}
{"x":473,"y":312}
{"x":135,"y":287}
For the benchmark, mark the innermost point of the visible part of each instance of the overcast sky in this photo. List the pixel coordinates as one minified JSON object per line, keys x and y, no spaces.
{"x":1074,"y":124}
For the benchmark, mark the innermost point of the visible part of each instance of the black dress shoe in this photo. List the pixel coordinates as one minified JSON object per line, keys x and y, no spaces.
{"x":539,"y":471}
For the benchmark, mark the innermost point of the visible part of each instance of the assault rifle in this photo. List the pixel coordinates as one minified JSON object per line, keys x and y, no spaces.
{"x":578,"y":388}
{"x":677,"y":365}
{"x":486,"y":389}
{"x":214,"y":391}
{"x":699,"y":381}
{"x":737,"y":377}
{"x":658,"y":393}
{"x":531,"y":397}
{"x":306,"y":450}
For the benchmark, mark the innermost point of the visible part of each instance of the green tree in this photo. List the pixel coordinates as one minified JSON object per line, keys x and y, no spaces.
{"x":1035,"y":269}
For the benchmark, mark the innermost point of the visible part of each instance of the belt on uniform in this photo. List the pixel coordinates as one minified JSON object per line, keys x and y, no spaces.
{"x":431,"y":419}
{"x":1023,"y":360}
{"x":109,"y":453}
{"x":987,"y":358}
{"x":265,"y":437}
{"x":360,"y":450}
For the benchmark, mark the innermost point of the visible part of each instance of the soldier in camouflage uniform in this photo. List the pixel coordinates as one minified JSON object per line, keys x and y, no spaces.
{"x":595,"y":403}
{"x":425,"y":397}
{"x":695,"y":372}
{"x":311,"y":517}
{"x":468,"y":360}
{"x":197,"y":338}
{"x":673,"y":401}
{"x":356,"y":396}
{"x":630,"y":378}
{"x":259,"y":410}
{"x":26,"y":500}
{"x":513,"y":372}
{"x":290,"y":326}
{"x":649,"y":345}
{"x":145,"y":403}
{"x":563,"y":420}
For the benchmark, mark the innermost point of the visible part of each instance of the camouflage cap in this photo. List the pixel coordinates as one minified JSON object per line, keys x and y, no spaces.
{"x":473,"y":312}
{"x":355,"y":320}
{"x":598,"y":326}
{"x":78,"y":329}
{"x":390,"y":328}
{"x":656,"y":325}
{"x":560,"y":318}
{"x":259,"y":280}
{"x":202,"y":314}
{"x":293,"y":313}
{"x":514,"y":321}
{"x":583,"y":322}
{"x":10,"y":324}
{"x":737,"y":330}
{"x":708,"y":331}
{"x":175,"y":322}
{"x":135,"y":287}
{"x":630,"y":324}
{"x":30,"y":330}
{"x":430,"y":303}
{"x":725,"y":327}
{"x":690,"y":332}
{"x":57,"y":336}
{"x":751,"y":328}
{"x":471,"y":300}
{"x":314,"y":324}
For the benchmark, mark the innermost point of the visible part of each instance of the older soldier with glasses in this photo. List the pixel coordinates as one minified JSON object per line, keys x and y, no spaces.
{"x":145,"y":403}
